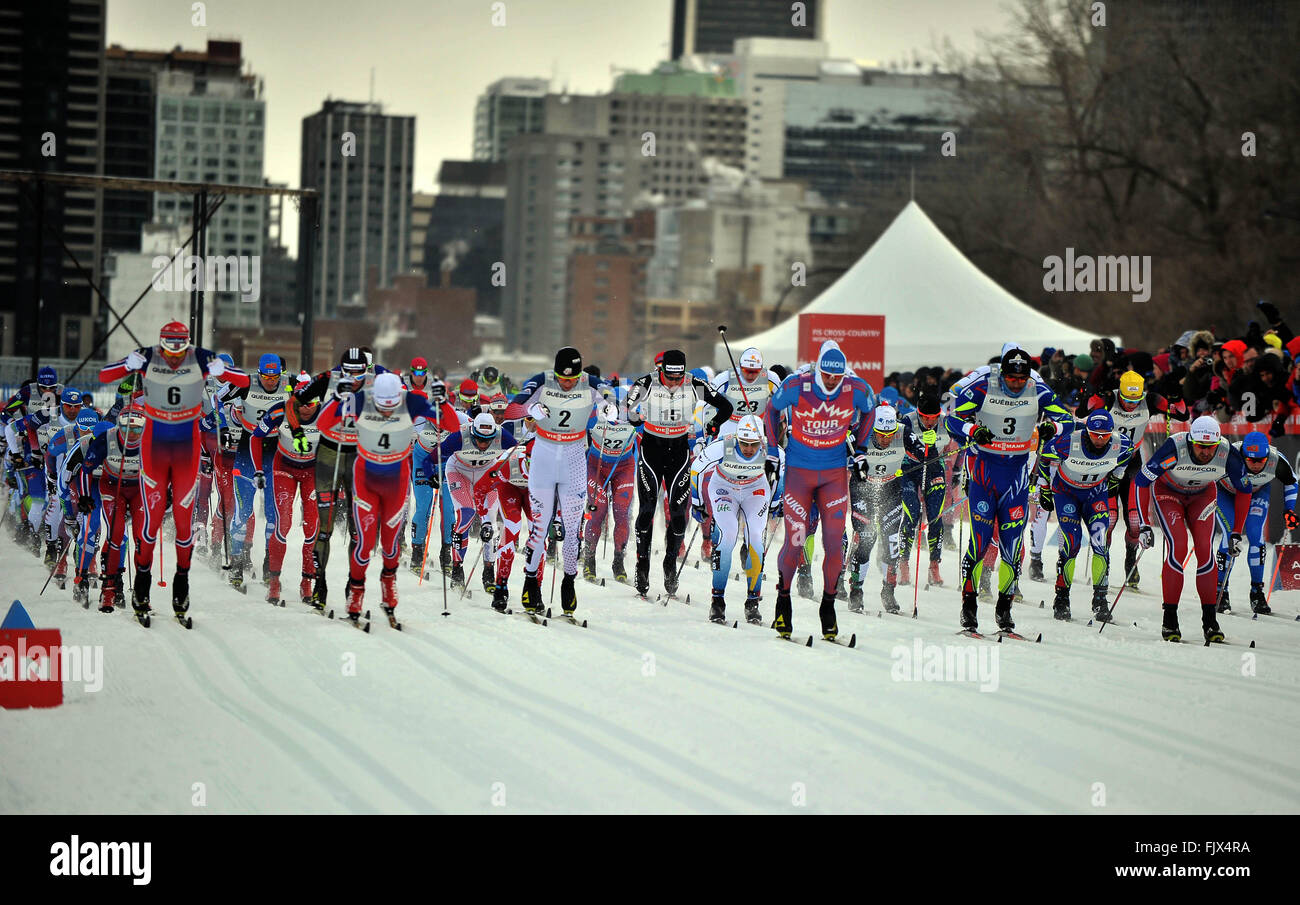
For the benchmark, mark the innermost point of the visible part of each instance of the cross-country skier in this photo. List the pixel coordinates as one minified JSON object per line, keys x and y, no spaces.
{"x":999,"y":412}
{"x":1078,"y":471}
{"x":293,"y":467}
{"x":467,"y":455}
{"x":116,"y":453}
{"x":924,"y":488}
{"x":381,"y":476}
{"x":611,"y":481}
{"x":1180,"y":479}
{"x":508,"y":479}
{"x":821,"y":405}
{"x":1264,"y":464}
{"x":252,"y":463}
{"x":661,"y":403}
{"x":890,"y":455}
{"x":169,"y":450}
{"x":563,"y":403}
{"x":735,"y":485}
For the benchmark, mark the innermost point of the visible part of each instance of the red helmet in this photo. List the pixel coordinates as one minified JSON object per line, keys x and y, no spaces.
{"x":419,"y":364}
{"x":174,"y":338}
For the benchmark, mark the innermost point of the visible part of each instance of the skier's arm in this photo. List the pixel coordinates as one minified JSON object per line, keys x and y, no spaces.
{"x":1287,"y":478}
{"x":444,"y":416}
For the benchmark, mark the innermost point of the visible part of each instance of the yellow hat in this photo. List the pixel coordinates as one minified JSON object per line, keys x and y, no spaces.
{"x":1132,"y":387}
{"x":1273,"y":340}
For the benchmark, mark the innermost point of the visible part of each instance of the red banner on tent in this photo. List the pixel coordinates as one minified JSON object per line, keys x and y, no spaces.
{"x":861,"y":336}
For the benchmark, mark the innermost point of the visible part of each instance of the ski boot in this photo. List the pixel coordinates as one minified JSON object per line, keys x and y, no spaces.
{"x":718,"y":608}
{"x":1258,"y":602}
{"x":1036,"y":567}
{"x":841,"y":587}
{"x":1100,"y":608}
{"x":752,"y":615}
{"x":620,"y":570}
{"x":266,"y":566}
{"x":1224,"y":605}
{"x":784,"y":620}
{"x":568,"y":595}
{"x":51,"y":554}
{"x":304,"y":587}
{"x":444,"y":558}
{"x":61,"y":574}
{"x":80,"y":586}
{"x":670,"y":575}
{"x":489,"y":577}
{"x":935,"y":579}
{"x":320,"y":590}
{"x":237,"y":573}
{"x":803,"y":584}
{"x":1130,"y":566}
{"x":1169,"y":626}
{"x":968,"y":605}
{"x":1002,"y":613}
{"x":417,"y":559}
{"x":887,"y":598}
{"x":1210,"y":625}
{"x":110,"y":593}
{"x":1061,"y":605}
{"x":388,"y":591}
{"x":986,"y":585}
{"x":141,"y":602}
{"x":181,"y":593}
{"x":589,"y":565}
{"x":356,"y":595}
{"x":500,"y":598}
{"x":531,"y":596}
{"x":827,"y":612}
{"x":855,"y":593}
{"x":457,"y":575}
{"x":273,"y":588}
{"x":642,"y":581}
{"x":904,"y":570}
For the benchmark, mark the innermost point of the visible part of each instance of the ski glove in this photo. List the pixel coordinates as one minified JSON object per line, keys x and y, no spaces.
{"x":259,"y":480}
{"x":778,"y":509}
{"x":216,"y":367}
{"x":930,"y":437}
{"x":1046,"y":498}
{"x":85,"y":504}
{"x":773,"y":470}
{"x":485,"y":532}
{"x":611,"y":413}
{"x":135,"y":361}
{"x":538,"y":411}
{"x":1234,"y":545}
{"x":982,"y":435}
{"x":860,"y":467}
{"x":300,"y":442}
{"x":1146,"y":537}
{"x":1046,"y":431}
{"x":711,"y":429}
{"x":1292,"y":521}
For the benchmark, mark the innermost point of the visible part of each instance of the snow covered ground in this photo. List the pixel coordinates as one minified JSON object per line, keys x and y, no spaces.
{"x":652,"y":708}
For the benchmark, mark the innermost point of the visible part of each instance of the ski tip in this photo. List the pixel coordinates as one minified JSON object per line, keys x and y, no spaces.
{"x":1089,"y":625}
{"x":736,"y":624}
{"x":853,"y":640}
{"x":1039,"y":639}
{"x":602,"y":582}
{"x":809,"y":644}
{"x":1042,"y":604}
{"x":999,"y":639}
{"x":1252,"y":644}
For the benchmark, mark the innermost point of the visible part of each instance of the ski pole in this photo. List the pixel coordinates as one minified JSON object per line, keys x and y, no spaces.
{"x":442,"y":526}
{"x":1137,"y":559}
{"x":464,"y":589}
{"x":63,"y":546}
{"x":722,"y":330}
{"x":688,"y":553}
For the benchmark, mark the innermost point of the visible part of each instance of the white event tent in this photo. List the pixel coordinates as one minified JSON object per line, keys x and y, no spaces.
{"x":939,"y":308}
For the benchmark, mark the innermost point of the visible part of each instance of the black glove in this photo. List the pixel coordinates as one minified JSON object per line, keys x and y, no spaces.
{"x":1270,"y":311}
{"x":224,"y":438}
{"x":50,"y":488}
{"x":259,"y":480}
{"x":698,"y":510}
{"x":982,"y":435}
{"x":1112,"y":485}
{"x":485,"y":532}
{"x":85,"y":504}
{"x":711,"y":429}
{"x":17,"y":460}
{"x":1046,"y":499}
{"x":772,"y":469}
{"x":1146,"y":537}
{"x":1234,"y":545}
{"x":1046,"y":431}
{"x":1292,"y":521}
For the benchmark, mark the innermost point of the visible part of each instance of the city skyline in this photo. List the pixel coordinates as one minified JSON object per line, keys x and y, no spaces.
{"x":540,"y":39}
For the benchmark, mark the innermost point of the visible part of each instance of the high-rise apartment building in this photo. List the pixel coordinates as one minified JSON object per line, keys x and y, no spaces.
{"x":713,"y":26}
{"x":508,"y":107}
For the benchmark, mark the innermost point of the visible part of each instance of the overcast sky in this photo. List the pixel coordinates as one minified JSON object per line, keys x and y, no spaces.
{"x":432,"y":58}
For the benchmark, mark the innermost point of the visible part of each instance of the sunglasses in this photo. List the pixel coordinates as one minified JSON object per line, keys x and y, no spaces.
{"x":419,"y":372}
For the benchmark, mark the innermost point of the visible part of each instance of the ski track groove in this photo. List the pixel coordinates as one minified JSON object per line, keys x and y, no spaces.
{"x":661,"y":757}
{"x":945,"y":766}
{"x":336,"y":788}
{"x":358,"y":755}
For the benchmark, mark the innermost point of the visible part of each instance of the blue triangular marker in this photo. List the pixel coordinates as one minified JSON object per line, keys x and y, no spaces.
{"x":17,"y":618}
